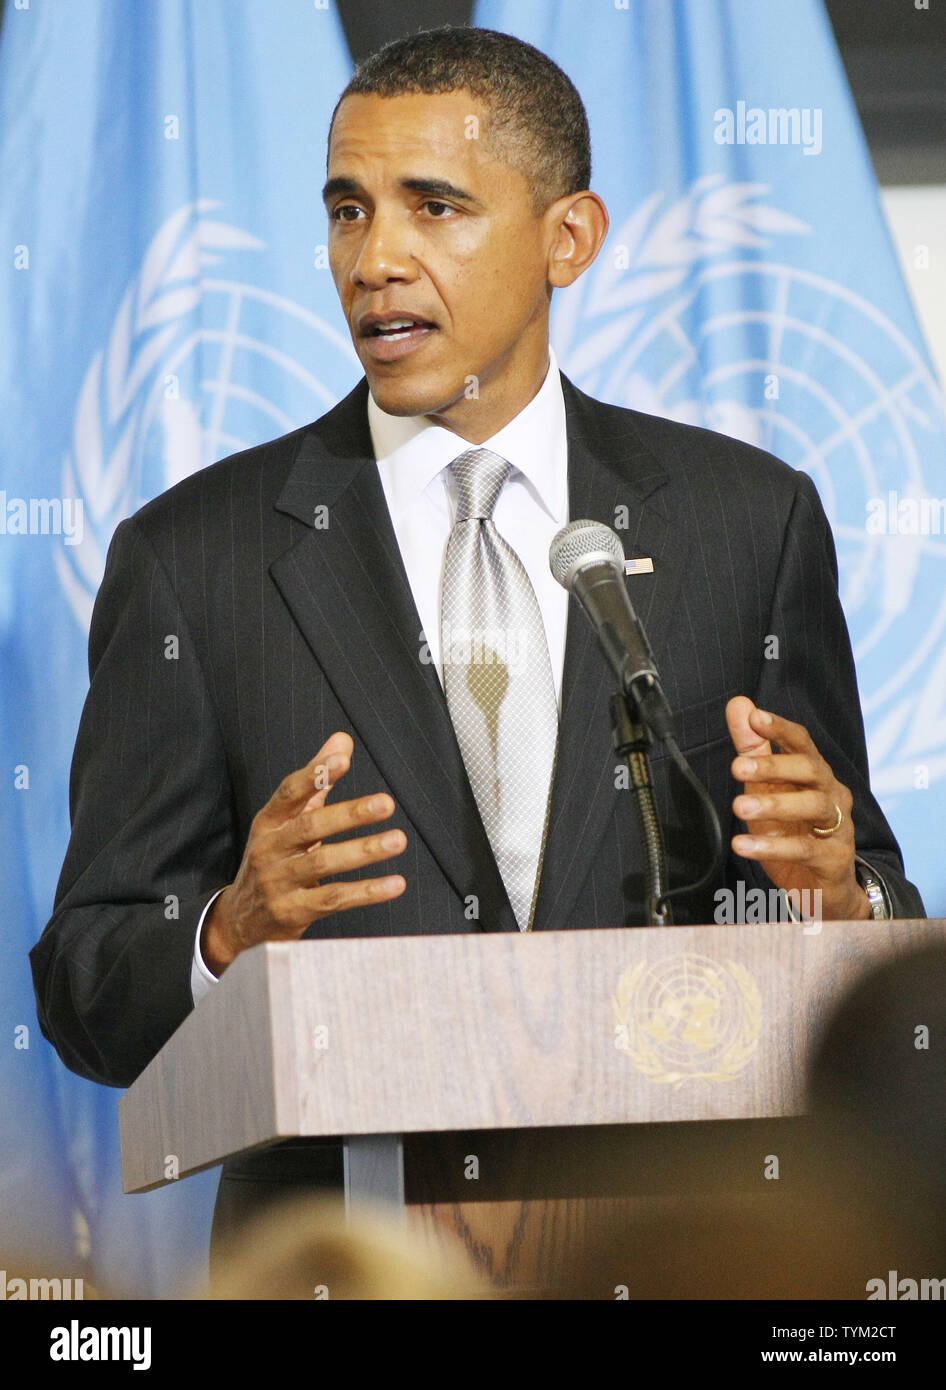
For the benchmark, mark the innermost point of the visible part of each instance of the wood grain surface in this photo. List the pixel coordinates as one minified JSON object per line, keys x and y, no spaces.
{"x":612,"y":1027}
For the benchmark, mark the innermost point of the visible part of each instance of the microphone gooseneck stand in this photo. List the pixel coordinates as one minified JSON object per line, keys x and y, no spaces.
{"x":634,"y":721}
{"x":632,"y":740}
{"x":587,"y":558}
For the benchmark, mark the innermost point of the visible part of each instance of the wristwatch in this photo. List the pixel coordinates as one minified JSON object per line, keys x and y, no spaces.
{"x":873,"y":885}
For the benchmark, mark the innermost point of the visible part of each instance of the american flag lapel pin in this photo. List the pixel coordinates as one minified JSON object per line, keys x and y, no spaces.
{"x":644,"y":565}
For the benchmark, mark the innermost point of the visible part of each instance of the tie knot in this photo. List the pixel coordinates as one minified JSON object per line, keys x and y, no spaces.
{"x":479,"y":475}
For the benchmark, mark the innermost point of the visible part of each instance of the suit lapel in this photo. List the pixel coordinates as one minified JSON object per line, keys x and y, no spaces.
{"x":607,"y":469}
{"x":347,"y":589}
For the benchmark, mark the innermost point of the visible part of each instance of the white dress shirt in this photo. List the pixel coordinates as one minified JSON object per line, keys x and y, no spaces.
{"x":413,"y":456}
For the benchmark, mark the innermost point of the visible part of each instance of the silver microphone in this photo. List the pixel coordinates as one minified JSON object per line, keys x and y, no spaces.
{"x":587,"y":558}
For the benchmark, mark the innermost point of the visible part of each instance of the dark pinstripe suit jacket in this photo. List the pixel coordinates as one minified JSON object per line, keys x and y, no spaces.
{"x":231,"y":636}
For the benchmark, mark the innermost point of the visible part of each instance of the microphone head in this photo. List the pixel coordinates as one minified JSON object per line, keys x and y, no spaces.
{"x":582,"y":543}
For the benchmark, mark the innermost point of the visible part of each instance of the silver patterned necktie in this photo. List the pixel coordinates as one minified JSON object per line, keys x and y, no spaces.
{"x":498,"y":680}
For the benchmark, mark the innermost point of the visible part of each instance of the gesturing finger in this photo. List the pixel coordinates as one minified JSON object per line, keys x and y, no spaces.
{"x":797,"y":768}
{"x":788,"y":736}
{"x":344,"y":894}
{"x":740,"y":713}
{"x":324,"y":861}
{"x":812,"y":806}
{"x":311,"y":827}
{"x":789,"y":849}
{"x":309,"y":783}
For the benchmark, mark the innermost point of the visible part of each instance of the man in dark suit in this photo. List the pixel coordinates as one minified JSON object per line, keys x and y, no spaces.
{"x":288,"y":600}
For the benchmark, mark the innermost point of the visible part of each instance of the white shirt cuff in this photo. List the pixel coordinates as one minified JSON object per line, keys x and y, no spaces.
{"x":201,"y":978}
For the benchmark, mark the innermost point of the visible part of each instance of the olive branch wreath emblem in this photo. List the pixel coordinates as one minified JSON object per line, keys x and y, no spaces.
{"x":98,"y":469}
{"x":632,"y":1014}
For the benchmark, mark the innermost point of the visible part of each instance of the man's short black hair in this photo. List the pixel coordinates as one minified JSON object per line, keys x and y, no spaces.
{"x":540,"y":125}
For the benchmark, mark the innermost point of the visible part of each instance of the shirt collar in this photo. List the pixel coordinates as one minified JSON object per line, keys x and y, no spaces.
{"x":411,"y":451}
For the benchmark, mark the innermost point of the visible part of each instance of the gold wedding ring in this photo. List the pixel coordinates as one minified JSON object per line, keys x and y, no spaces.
{"x":823,"y":832}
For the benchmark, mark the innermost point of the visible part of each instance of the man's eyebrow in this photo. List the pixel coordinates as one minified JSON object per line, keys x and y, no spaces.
{"x":437,"y":188}
{"x":440,"y":188}
{"x":338,"y":185}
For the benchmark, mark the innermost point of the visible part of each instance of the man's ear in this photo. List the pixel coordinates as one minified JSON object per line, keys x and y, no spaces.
{"x":578,"y":224}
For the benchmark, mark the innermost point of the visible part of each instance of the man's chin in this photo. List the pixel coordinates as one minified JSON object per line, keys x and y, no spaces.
{"x":406,"y":398}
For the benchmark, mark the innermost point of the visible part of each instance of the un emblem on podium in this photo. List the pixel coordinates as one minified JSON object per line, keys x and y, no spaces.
{"x":688,"y":1018}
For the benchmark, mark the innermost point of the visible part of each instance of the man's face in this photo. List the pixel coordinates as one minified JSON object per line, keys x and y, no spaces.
{"x":430,"y":225}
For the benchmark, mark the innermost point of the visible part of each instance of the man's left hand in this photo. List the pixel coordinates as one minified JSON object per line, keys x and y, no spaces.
{"x":785,"y":795}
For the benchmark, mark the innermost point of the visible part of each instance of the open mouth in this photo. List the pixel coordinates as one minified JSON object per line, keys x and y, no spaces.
{"x":389,"y":337}
{"x":397,"y":330}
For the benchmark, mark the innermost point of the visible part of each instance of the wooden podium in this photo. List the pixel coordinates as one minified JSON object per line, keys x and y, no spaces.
{"x":511,"y":1088}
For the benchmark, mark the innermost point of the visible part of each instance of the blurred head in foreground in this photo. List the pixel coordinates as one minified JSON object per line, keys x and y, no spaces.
{"x":879,"y":1071}
{"x":310,"y":1250}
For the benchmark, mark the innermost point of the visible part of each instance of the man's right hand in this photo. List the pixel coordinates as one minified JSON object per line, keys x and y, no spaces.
{"x":278,"y":890}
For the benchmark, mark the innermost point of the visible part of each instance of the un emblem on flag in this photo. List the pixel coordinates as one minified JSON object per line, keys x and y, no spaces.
{"x":197,"y":364}
{"x":697,"y":317}
{"x":688,"y":1018}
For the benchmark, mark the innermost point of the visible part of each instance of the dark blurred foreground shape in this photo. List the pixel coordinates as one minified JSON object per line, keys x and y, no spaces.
{"x":861,"y":1189}
{"x":877,"y":1080}
{"x":822,"y":1230}
{"x":834,"y":1219}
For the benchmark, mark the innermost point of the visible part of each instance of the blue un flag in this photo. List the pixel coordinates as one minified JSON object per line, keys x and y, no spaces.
{"x":749,"y":284}
{"x":165,"y":300}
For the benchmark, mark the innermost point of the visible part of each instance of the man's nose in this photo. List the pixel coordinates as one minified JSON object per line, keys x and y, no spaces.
{"x":385,"y":253}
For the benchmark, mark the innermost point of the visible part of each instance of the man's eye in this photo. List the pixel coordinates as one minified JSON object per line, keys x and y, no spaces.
{"x":339,"y":213}
{"x":437,"y":209}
